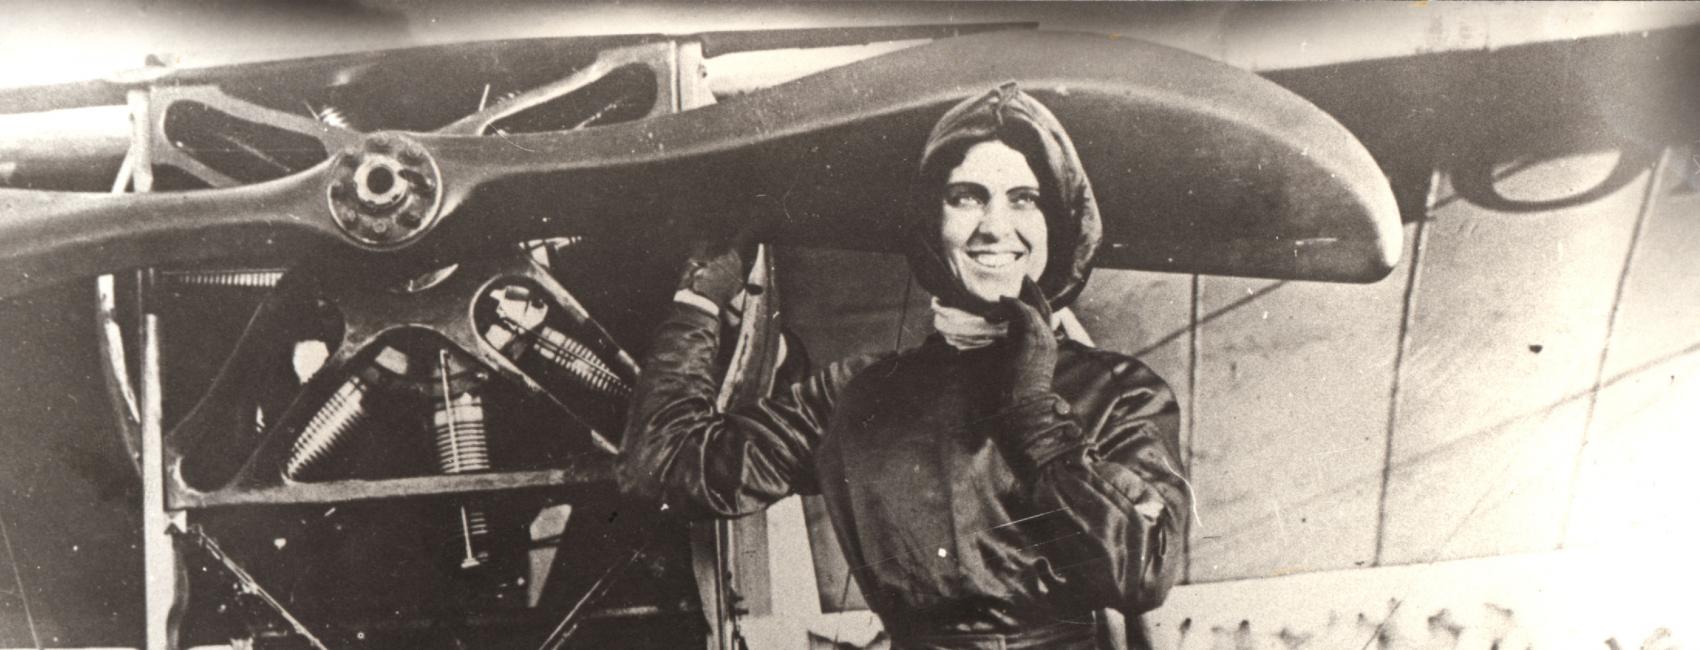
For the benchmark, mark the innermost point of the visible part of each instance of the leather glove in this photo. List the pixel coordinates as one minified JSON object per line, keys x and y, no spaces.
{"x":713,"y":272}
{"x":1032,"y":345}
{"x":717,"y":268}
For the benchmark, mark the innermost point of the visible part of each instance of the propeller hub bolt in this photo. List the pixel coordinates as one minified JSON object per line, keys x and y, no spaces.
{"x":384,"y":192}
{"x":377,"y":185}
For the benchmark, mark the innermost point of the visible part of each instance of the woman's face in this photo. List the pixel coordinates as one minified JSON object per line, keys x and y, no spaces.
{"x":993,"y":231}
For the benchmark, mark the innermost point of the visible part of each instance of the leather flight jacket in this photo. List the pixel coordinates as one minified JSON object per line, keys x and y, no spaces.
{"x":959,"y":515}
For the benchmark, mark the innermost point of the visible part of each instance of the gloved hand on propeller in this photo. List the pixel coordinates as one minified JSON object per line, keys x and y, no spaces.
{"x":719,"y":265}
{"x":1032,"y":344}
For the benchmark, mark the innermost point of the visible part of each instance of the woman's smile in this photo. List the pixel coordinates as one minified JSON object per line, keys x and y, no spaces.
{"x":995,"y":259}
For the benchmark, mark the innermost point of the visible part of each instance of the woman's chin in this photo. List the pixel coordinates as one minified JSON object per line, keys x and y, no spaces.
{"x":993,"y":293}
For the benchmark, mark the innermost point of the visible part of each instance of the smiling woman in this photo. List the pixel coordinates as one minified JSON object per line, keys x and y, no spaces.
{"x":997,"y":486}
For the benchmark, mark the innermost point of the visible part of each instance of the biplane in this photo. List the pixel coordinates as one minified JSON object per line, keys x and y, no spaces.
{"x":365,"y":323}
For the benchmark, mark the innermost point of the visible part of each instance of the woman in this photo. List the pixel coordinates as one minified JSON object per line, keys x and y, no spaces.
{"x":994,"y":486}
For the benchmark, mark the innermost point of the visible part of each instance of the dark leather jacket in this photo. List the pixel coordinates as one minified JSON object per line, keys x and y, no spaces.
{"x":957,"y":513}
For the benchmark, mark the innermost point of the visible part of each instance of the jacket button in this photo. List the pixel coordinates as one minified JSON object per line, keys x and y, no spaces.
{"x":1061,"y":407}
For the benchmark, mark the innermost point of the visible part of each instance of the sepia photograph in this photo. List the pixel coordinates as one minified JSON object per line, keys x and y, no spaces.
{"x":376,"y":324}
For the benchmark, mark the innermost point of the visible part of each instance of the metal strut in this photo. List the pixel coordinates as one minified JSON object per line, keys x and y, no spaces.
{"x":569,"y":624}
{"x":247,"y":582}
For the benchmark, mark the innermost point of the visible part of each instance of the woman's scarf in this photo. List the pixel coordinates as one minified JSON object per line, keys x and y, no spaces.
{"x":966,"y":330}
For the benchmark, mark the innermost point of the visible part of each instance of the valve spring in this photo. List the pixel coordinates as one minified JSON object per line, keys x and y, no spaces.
{"x":335,"y":117}
{"x":579,"y":362}
{"x":458,"y":424}
{"x":253,"y":278}
{"x":340,"y":414}
{"x":462,"y":446}
{"x":478,"y":526}
{"x":472,"y":537}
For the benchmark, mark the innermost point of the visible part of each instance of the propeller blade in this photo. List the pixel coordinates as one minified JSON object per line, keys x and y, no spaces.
{"x":51,"y":236}
{"x":1197,"y":166}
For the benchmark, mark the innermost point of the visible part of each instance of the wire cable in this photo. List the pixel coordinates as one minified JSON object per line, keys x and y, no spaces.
{"x":18,"y":578}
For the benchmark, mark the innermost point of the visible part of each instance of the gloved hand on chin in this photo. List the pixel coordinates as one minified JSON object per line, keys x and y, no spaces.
{"x":1032,"y":344}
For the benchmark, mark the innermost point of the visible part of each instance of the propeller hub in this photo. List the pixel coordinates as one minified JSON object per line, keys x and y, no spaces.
{"x":385,"y":191}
